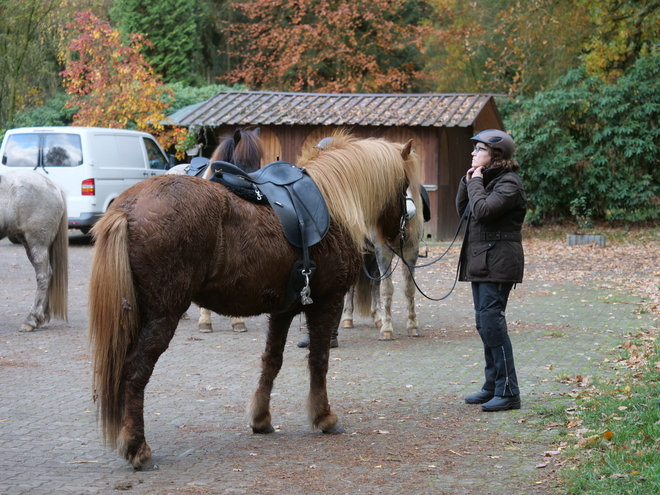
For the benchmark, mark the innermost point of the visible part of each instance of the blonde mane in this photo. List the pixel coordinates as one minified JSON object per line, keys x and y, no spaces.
{"x":359,"y":177}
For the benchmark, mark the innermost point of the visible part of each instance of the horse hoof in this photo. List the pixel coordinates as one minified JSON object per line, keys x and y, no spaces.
{"x":265,"y":430}
{"x":378,"y":323}
{"x":239,"y":327}
{"x":205,"y":328}
{"x":386,"y":336}
{"x":185,"y":316}
{"x":335,"y":430}
{"x":150,"y":465}
{"x":414,"y":333}
{"x":347,"y":324}
{"x":26,"y":328}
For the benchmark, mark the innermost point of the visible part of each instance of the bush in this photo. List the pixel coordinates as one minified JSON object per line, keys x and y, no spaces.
{"x":584,"y":138}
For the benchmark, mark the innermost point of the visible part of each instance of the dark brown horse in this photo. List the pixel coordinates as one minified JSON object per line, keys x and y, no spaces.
{"x":174,"y":239}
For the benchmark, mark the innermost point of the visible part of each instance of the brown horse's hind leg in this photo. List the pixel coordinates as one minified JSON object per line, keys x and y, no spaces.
{"x":322,"y":320}
{"x":140,"y":364}
{"x":271,"y":363}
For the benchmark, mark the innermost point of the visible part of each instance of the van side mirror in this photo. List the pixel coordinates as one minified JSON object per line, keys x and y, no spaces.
{"x":4,"y":159}
{"x":172,"y":161}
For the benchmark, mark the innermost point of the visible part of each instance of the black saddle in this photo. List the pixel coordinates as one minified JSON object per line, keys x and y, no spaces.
{"x":299,"y":204}
{"x":292,"y":194}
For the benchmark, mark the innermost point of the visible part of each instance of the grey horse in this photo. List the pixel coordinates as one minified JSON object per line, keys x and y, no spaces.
{"x":33,"y":210}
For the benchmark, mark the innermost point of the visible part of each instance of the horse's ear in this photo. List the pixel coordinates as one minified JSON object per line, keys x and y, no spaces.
{"x":257,"y":132}
{"x":407,"y":148}
{"x":237,"y":135}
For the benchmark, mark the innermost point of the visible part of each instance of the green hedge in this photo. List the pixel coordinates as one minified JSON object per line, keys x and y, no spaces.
{"x":594,"y":146}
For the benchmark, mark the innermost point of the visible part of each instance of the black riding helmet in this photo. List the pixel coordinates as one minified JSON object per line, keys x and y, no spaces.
{"x":496,"y":139}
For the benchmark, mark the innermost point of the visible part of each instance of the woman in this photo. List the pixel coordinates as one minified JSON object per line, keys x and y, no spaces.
{"x":492,"y":258}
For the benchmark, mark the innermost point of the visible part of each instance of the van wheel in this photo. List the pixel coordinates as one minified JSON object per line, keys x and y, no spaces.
{"x":13,"y":239}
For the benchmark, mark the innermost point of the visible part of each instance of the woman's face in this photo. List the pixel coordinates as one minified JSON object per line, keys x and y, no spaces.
{"x":480,"y":156}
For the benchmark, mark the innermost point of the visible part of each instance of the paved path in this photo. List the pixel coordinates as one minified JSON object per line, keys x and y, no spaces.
{"x":408,"y":429}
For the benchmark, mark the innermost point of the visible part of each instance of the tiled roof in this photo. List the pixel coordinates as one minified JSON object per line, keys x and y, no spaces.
{"x":272,"y":108}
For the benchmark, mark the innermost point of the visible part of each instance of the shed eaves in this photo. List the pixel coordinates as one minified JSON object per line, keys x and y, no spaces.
{"x":274,"y":108}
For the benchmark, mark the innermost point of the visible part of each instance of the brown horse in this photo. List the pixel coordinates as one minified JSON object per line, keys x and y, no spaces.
{"x":173,"y":239}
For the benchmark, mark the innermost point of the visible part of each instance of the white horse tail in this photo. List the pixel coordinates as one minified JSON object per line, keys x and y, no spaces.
{"x":58,"y":254}
{"x":364,"y":287}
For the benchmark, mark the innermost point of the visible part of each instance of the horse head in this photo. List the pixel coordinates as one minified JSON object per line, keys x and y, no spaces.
{"x":243,"y":148}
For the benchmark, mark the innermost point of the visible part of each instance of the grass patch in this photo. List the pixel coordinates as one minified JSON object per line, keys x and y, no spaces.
{"x":612,"y":445}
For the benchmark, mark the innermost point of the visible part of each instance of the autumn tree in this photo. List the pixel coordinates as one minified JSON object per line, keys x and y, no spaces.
{"x":506,"y":46}
{"x":110,"y":82}
{"x":171,"y":28}
{"x":330,"y":46}
{"x":624,"y":31}
{"x":24,"y":64}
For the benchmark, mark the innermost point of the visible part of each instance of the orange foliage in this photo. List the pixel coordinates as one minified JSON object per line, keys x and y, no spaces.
{"x":327,"y":46}
{"x":112,"y":84}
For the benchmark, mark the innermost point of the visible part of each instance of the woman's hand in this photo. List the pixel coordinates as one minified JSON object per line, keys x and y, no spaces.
{"x":474,"y":172}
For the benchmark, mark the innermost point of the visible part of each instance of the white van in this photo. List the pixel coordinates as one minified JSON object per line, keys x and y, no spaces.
{"x":94,"y":165}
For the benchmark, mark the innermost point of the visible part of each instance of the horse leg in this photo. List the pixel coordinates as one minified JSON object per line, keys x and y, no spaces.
{"x":204,"y":324}
{"x":322,"y":319}
{"x":140,"y":362}
{"x":238,"y":324}
{"x":40,"y":310}
{"x":386,"y":291}
{"x":376,"y":311}
{"x":347,"y":313}
{"x":409,"y":289}
{"x":271,"y":363}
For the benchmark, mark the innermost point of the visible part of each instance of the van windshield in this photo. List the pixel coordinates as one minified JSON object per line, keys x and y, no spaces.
{"x":43,"y":150}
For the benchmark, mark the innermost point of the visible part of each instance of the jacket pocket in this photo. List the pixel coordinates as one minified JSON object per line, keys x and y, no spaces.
{"x":478,"y":265}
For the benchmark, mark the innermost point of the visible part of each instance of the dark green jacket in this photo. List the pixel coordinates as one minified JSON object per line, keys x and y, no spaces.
{"x":492,"y":249}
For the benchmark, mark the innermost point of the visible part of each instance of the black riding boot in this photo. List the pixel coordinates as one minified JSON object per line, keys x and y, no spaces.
{"x":304,"y":342}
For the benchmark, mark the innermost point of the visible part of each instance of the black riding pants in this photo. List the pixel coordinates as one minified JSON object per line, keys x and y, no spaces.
{"x":490,"y":300}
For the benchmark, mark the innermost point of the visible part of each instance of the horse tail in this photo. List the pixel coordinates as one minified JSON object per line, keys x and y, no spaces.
{"x":364,"y":286}
{"x":113,"y":319}
{"x":58,"y":255}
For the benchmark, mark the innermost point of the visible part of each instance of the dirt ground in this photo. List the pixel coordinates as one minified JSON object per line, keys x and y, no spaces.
{"x":408,"y":430}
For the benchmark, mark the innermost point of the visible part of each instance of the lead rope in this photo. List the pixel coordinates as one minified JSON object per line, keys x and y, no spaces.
{"x":464,"y":218}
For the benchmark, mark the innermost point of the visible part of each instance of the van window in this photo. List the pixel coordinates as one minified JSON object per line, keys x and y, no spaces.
{"x":61,"y":150}
{"x":155,"y":155}
{"x":48,"y":150}
{"x":21,"y":150}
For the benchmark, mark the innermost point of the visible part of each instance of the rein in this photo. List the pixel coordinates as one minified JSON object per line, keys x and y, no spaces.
{"x":399,"y":255}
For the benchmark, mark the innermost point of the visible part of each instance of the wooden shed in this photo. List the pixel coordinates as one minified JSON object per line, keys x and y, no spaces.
{"x":440,"y":126}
